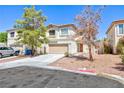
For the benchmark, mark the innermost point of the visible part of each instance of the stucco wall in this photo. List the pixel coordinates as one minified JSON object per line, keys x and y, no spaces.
{"x":112,"y":36}
{"x":71,"y":32}
{"x":72,"y":46}
{"x":2,"y":44}
{"x":11,"y":40}
{"x":86,"y":49}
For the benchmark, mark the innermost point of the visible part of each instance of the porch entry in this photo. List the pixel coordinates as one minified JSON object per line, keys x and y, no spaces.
{"x":80,"y":47}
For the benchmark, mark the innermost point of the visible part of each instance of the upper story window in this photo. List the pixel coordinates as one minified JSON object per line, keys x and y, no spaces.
{"x":52,"y":32}
{"x":121,"y":28}
{"x":12,"y":34}
{"x":64,"y":31}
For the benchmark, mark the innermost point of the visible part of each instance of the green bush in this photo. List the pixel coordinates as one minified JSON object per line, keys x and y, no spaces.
{"x":122,"y":55}
{"x":107,"y":49}
{"x":122,"y":58}
{"x":66,"y":54}
{"x":3,"y":37}
{"x":120,"y":45}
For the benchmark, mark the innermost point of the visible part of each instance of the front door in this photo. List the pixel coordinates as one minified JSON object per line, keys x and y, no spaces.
{"x":81,"y":47}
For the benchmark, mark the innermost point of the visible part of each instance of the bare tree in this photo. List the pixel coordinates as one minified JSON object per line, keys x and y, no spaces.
{"x":88,"y":22}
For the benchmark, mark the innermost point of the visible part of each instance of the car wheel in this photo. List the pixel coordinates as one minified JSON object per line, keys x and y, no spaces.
{"x":0,"y":55}
{"x":16,"y":53}
{"x":12,"y":55}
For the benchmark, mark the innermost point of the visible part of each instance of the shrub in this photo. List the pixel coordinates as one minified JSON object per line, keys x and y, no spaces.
{"x":122,"y":55}
{"x":66,"y":54}
{"x":120,"y":45}
{"x":107,"y":49}
{"x":122,"y":58}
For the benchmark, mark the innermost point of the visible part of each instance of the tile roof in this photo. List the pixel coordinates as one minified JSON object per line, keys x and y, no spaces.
{"x":113,"y":23}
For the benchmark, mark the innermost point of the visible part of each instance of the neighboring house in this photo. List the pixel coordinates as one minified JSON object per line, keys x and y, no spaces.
{"x":100,"y":46}
{"x":11,"y":39}
{"x":62,"y":39}
{"x":114,"y":33}
{"x":2,"y":44}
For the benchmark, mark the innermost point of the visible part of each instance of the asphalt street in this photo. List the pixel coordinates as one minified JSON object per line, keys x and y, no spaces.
{"x":32,"y":77}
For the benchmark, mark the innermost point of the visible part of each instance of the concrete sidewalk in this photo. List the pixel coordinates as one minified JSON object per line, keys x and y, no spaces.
{"x":38,"y":61}
{"x":1,"y":59}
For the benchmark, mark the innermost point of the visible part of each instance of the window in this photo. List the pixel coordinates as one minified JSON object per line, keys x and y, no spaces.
{"x":12,"y":34}
{"x":64,"y":31}
{"x":3,"y":48}
{"x":52,"y":32}
{"x":9,"y":48}
{"x":121,"y":29}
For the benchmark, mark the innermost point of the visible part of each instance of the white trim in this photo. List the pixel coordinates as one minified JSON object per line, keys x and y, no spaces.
{"x":118,"y":30}
{"x":60,"y":34}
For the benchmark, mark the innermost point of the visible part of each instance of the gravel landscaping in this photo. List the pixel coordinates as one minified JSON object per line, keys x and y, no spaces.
{"x":106,"y":63}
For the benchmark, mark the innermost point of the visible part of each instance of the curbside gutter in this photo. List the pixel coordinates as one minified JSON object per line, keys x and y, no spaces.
{"x":105,"y":75}
{"x":111,"y":76}
{"x":68,"y":70}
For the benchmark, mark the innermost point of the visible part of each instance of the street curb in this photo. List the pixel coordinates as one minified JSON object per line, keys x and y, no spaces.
{"x":62,"y":69}
{"x":1,"y":59}
{"x":111,"y":76}
{"x":105,"y":75}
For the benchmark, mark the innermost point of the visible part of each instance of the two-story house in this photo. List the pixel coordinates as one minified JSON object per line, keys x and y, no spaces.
{"x":114,"y":33}
{"x":66,"y":38}
{"x":11,"y":39}
{"x":62,"y":38}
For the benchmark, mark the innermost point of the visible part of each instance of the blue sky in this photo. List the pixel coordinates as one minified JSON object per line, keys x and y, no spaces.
{"x":61,"y":14}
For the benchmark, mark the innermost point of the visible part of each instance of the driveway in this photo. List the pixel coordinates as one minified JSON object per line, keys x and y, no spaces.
{"x":31,"y":77}
{"x":38,"y":61}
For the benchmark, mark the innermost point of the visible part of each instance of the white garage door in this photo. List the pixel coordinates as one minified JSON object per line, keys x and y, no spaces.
{"x":58,"y":48}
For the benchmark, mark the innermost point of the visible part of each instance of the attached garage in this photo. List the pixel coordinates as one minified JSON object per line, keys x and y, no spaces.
{"x":58,"y":48}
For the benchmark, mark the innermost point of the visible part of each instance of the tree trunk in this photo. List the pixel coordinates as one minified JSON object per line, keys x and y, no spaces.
{"x":90,"y":53}
{"x":33,"y":51}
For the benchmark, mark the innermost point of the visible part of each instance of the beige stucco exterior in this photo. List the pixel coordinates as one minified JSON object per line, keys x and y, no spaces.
{"x":58,"y":43}
{"x":70,"y":45}
{"x":57,"y":39}
{"x":58,"y":48}
{"x":11,"y":41}
{"x":113,"y":34}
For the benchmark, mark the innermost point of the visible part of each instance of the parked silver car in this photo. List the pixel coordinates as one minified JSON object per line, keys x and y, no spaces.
{"x":6,"y":51}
